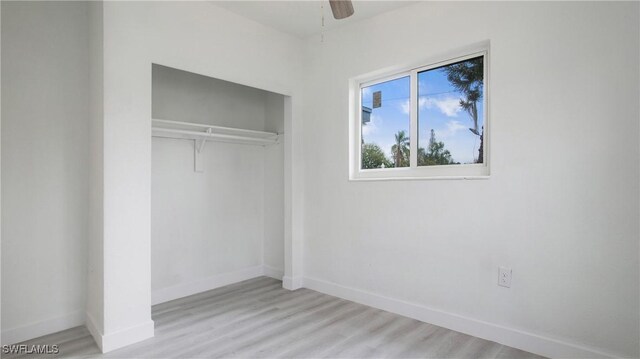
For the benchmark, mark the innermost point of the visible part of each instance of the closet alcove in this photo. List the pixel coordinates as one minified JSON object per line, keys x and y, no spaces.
{"x":217,"y":183}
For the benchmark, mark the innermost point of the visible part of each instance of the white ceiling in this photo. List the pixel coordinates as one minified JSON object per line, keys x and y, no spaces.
{"x":303,"y":18}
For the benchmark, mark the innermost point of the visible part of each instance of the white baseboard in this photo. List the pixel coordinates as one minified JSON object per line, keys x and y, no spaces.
{"x":533,"y":343}
{"x":116,"y":340}
{"x":272,"y":272}
{"x":291,"y":283}
{"x":20,"y":334}
{"x":128,"y":336}
{"x":203,"y":285}
{"x":93,"y":329}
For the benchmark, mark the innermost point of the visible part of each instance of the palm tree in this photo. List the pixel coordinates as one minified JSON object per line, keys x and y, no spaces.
{"x":468,"y":78}
{"x":400,"y":150}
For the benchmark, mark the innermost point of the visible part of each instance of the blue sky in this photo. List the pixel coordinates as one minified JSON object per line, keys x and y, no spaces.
{"x":391,"y":117}
{"x":439,"y":109}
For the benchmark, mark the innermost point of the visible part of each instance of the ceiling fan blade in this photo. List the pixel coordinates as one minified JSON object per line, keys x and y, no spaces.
{"x":341,"y":8}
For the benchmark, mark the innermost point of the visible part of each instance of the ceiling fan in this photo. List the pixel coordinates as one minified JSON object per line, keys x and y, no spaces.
{"x":341,"y":8}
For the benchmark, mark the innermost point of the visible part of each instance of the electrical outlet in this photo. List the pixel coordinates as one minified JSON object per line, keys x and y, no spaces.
{"x":504,"y":277}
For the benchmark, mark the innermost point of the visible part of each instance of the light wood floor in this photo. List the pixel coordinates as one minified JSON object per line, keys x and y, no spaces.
{"x":258,"y":319}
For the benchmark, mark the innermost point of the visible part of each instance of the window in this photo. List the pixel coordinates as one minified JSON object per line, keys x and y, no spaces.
{"x":385,"y":129}
{"x":423,"y":122}
{"x":451,"y":113}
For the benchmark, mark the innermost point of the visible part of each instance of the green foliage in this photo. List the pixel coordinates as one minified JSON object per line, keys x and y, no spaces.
{"x":468,"y":77}
{"x":373,"y":157}
{"x":400,"y":150}
{"x":435,"y":153}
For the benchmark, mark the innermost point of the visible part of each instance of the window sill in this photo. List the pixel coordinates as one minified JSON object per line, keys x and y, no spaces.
{"x":458,"y":172}
{"x":418,"y":178}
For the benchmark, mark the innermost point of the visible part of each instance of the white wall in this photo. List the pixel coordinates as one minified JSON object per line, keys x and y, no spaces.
{"x":121,"y":40}
{"x":95,"y":251}
{"x":561,"y":207}
{"x":204,"y":39}
{"x":45,"y":157}
{"x":204,"y":225}
{"x":189,"y":97}
{"x":0,"y":169}
{"x":274,"y":192}
{"x":208,"y":229}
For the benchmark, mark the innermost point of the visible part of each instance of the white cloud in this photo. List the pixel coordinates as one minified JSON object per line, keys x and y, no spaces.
{"x":372,"y":126}
{"x":449,"y":106}
{"x":404,"y":106}
{"x":366,"y":92}
{"x":450,"y":130}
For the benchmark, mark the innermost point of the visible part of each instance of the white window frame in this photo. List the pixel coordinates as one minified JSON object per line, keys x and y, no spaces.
{"x":414,"y":172}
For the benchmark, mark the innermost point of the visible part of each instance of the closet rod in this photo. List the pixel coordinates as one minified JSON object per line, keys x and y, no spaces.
{"x":167,"y":133}
{"x":196,"y":131}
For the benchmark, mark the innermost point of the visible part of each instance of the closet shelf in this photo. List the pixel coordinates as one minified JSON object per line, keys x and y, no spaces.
{"x":196,"y":131}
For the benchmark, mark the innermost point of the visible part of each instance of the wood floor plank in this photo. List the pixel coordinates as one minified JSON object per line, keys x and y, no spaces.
{"x":257,"y":318}
{"x":316,"y":326}
{"x":239,"y":345}
{"x":361,"y":339}
{"x":228,"y":336}
{"x":405,"y":346}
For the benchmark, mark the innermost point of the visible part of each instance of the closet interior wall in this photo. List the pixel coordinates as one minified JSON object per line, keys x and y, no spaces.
{"x":224,"y":224}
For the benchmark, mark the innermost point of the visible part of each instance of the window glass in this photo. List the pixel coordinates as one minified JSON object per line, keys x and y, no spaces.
{"x":385,"y":124}
{"x":451,"y":114}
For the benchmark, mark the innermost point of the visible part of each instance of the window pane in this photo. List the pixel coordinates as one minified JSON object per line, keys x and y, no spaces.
{"x":385,"y":124}
{"x":451,"y":114}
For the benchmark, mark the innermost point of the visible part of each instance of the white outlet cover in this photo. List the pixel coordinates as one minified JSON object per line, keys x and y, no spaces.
{"x":504,"y":277}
